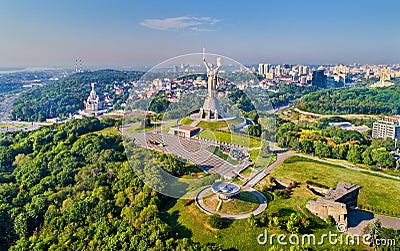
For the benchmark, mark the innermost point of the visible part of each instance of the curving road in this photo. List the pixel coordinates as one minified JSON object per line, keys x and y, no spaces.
{"x":281,"y":155}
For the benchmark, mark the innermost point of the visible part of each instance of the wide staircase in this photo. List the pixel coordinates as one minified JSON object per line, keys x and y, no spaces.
{"x":193,"y":150}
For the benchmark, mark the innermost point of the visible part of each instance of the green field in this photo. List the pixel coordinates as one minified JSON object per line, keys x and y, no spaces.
{"x":379,"y":194}
{"x":261,"y":159}
{"x":108,"y":131}
{"x":219,"y":124}
{"x":246,"y":202}
{"x":138,"y":127}
{"x":212,"y":125}
{"x":168,"y":126}
{"x":189,"y":221}
{"x":231,"y":138}
{"x":186,"y":121}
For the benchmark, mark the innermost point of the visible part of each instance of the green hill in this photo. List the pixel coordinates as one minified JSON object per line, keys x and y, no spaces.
{"x":352,"y":101}
{"x":66,"y":96}
{"x":69,"y":187}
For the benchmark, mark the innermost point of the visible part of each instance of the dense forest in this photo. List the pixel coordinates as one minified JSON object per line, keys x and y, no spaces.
{"x":69,"y":187}
{"x":288,"y":93}
{"x":326,"y":141}
{"x":66,"y":96}
{"x":353,"y":101}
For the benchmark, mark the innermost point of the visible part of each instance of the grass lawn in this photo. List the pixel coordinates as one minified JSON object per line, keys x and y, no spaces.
{"x":244,"y":203}
{"x":189,"y":222}
{"x":211,"y":201}
{"x":378,"y":193}
{"x":212,"y":125}
{"x":110,"y":130}
{"x":138,"y":127}
{"x":231,"y":138}
{"x":363,"y":166}
{"x":168,"y":126}
{"x":261,"y":160}
{"x":186,"y":121}
{"x":238,"y":181}
{"x":191,"y":170}
{"x":247,"y":173}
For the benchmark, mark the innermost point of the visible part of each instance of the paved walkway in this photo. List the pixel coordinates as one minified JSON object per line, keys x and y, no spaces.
{"x":204,"y":193}
{"x":359,"y":220}
{"x":335,"y":115}
{"x":195,"y":122}
{"x":281,"y":155}
{"x":194,"y":150}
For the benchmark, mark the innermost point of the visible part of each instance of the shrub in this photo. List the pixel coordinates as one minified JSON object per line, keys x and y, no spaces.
{"x":216,"y":221}
{"x":284,"y":194}
{"x":252,"y":220}
{"x":293,"y":159}
{"x":262,"y":219}
{"x":188,"y":202}
{"x":330,"y":220}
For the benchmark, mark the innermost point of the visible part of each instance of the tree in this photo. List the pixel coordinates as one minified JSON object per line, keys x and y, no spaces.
{"x":7,"y":233}
{"x":322,"y":150}
{"x":276,"y":222}
{"x":294,"y":143}
{"x":367,"y":156}
{"x":354,"y":154}
{"x":254,"y":130}
{"x":330,"y":220}
{"x":307,"y":146}
{"x":262,"y":219}
{"x":375,"y":230}
{"x":252,"y":220}
{"x":78,"y":187}
{"x":383,"y":158}
{"x":216,"y":221}
{"x":340,"y":151}
{"x":293,"y":224}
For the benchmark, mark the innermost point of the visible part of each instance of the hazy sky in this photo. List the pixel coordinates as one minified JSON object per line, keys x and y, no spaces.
{"x":128,"y":33}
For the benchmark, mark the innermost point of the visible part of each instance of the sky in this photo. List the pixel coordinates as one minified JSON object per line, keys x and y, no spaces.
{"x":117,"y":33}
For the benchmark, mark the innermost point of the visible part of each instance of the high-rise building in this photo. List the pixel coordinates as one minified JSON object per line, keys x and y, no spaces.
{"x":319,"y":78}
{"x":388,"y":127}
{"x":266,"y":68}
{"x":261,"y":69}
{"x":306,"y":70}
{"x":278,"y":70}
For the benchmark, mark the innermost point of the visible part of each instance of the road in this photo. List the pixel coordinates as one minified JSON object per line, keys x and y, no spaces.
{"x":281,"y":155}
{"x":359,"y":220}
{"x":337,"y":115}
{"x":5,"y":107}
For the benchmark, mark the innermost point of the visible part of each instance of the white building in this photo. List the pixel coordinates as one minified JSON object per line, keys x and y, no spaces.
{"x":389,"y":127}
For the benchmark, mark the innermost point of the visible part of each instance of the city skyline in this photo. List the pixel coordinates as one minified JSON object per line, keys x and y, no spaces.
{"x":131,"y":33}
